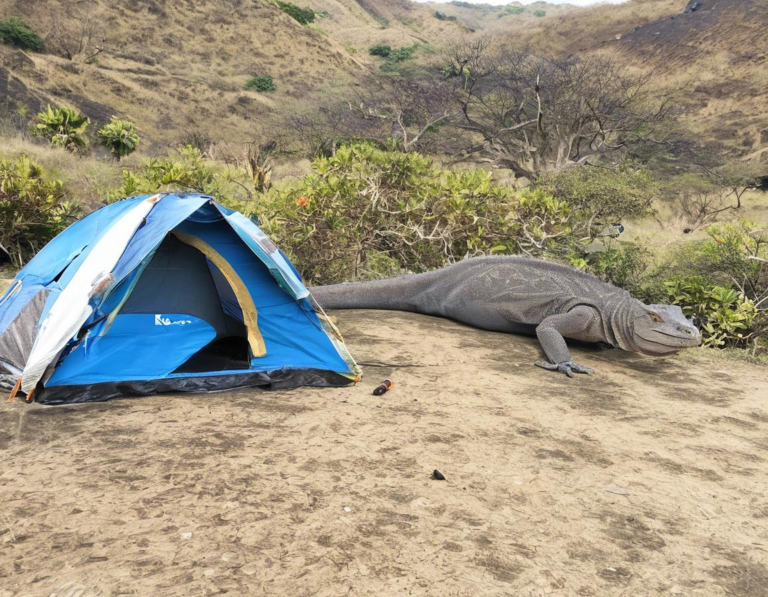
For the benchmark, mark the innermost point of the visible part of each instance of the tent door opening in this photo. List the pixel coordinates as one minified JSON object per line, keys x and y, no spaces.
{"x":180,"y":281}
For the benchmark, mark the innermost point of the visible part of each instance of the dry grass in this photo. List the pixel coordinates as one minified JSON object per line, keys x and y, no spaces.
{"x":87,"y":178}
{"x":176,"y":70}
{"x":666,"y":229}
{"x":181,"y":70}
{"x":712,"y":62}
{"x":571,"y":32}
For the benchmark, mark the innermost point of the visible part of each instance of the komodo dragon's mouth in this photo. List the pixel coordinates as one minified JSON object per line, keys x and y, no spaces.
{"x":654,"y":347}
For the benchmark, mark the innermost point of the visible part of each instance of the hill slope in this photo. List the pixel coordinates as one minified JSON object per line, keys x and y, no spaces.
{"x":716,"y":59}
{"x":177,"y":67}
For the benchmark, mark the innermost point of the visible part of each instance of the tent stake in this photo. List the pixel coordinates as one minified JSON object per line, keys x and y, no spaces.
{"x":15,"y":390}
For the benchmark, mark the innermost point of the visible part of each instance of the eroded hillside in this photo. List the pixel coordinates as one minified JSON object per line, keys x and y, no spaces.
{"x":181,"y":67}
{"x":715,"y":59}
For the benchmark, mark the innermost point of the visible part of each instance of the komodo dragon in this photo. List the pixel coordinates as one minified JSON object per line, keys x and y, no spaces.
{"x":525,"y":295}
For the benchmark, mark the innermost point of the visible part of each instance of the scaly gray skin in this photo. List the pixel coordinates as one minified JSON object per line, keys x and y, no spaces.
{"x":524,"y":295}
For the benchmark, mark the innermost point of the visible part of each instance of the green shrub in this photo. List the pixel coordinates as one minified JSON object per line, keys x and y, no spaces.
{"x":539,"y":13}
{"x":623,"y":266}
{"x":735,"y":255}
{"x":725,"y":317}
{"x":514,"y":10}
{"x":723,"y":281}
{"x":63,"y":127}
{"x":366,"y":210}
{"x":404,"y":53}
{"x":32,"y":209}
{"x":441,"y":16}
{"x":186,"y":170}
{"x":383,"y":51}
{"x":120,"y":137}
{"x":397,"y":56}
{"x":261,"y":83}
{"x":301,"y":14}
{"x":15,"y":32}
{"x":607,"y":195}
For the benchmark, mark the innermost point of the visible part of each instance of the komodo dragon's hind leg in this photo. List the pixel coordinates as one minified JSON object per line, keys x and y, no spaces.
{"x":575,"y":324}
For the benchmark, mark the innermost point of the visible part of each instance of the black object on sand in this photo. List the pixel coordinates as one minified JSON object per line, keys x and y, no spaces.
{"x":437,"y":475}
{"x":384,"y":387}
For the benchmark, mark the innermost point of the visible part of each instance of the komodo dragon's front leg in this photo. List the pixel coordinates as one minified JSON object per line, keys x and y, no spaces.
{"x":580,"y":323}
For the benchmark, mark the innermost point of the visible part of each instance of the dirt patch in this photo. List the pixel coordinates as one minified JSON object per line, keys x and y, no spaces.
{"x":740,"y":574}
{"x":608,"y":485}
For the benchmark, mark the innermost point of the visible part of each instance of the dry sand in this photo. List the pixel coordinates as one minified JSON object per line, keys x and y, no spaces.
{"x":648,"y":478}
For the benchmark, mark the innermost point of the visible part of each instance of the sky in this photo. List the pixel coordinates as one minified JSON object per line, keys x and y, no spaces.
{"x":574,"y":2}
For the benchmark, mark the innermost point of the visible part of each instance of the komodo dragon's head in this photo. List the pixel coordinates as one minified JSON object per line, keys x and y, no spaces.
{"x":659,"y":330}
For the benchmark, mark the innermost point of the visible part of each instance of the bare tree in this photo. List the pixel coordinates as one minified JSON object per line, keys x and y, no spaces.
{"x":410,"y":107}
{"x":82,"y":36}
{"x":321,"y":130}
{"x":702,"y":207}
{"x":537,"y":115}
{"x":740,"y":177}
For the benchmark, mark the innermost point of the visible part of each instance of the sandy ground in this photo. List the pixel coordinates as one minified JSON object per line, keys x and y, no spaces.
{"x":648,"y":478}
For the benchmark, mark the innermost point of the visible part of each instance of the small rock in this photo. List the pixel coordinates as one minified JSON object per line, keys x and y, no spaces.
{"x":437,"y":475}
{"x":186,"y":536}
{"x":249,"y":569}
{"x":347,"y":509}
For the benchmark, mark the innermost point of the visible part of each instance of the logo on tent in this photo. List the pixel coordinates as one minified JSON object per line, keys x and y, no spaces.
{"x":162,"y":320}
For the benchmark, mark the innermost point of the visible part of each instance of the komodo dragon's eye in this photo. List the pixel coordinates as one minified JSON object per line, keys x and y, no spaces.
{"x":656,"y":318}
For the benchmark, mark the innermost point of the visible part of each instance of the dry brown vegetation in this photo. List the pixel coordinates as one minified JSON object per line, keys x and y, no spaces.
{"x":178,"y":68}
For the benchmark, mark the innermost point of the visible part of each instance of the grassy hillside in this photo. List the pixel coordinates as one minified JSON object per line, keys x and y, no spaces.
{"x":715,"y":61}
{"x":359,"y":24}
{"x":486,"y":18}
{"x":180,"y":67}
{"x":712,"y":61}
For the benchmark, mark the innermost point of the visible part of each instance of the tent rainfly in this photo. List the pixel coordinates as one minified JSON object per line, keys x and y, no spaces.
{"x":163,"y":293}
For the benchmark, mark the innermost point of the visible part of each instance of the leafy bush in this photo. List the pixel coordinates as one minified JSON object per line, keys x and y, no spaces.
{"x":303,"y":15}
{"x":63,"y":127}
{"x":441,"y":16}
{"x":725,"y":317}
{"x":723,"y":281}
{"x":32,"y":209}
{"x":380,"y":50}
{"x":607,"y":195}
{"x":735,"y":255}
{"x":623,"y":266}
{"x":261,"y":83}
{"x":186,"y":170}
{"x":539,"y":13}
{"x":401,"y":54}
{"x":514,"y":10}
{"x":120,"y":137}
{"x":365,"y":209}
{"x":397,"y":56}
{"x":16,"y":32}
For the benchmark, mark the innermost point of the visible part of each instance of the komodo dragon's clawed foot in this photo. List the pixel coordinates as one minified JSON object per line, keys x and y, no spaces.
{"x":567,"y":367}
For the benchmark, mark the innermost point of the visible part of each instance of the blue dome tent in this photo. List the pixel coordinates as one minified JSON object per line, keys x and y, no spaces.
{"x":163,"y":293}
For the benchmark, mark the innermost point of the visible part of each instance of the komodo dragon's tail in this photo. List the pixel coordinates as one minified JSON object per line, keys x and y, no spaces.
{"x":398,"y":293}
